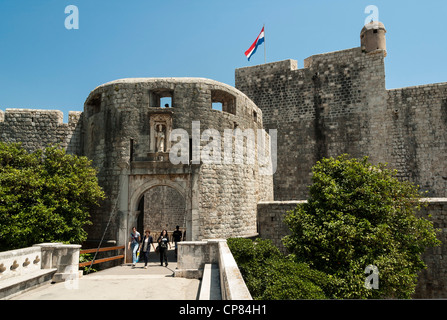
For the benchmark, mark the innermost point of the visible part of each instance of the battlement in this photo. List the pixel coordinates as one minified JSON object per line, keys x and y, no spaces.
{"x":37,"y":128}
{"x":38,"y":116}
{"x":290,"y":65}
{"x":271,"y":67}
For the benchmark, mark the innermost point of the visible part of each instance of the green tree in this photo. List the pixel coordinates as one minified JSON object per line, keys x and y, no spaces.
{"x":359,"y":214}
{"x":270,"y":275}
{"x":45,"y":196}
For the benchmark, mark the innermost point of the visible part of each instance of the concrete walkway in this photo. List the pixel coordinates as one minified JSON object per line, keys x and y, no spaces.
{"x":123,"y":283}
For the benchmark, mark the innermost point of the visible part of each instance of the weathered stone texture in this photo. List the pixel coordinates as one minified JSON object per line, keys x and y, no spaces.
{"x":334,"y":105}
{"x":338,"y":104}
{"x":417,"y":133}
{"x":37,"y":129}
{"x":164,"y":208}
{"x":271,"y":220}
{"x":432,"y":282}
{"x":220,"y":198}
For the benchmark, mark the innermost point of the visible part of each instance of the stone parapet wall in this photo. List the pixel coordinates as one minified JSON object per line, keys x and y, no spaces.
{"x":27,"y":268}
{"x":194,"y":255}
{"x":37,"y":129}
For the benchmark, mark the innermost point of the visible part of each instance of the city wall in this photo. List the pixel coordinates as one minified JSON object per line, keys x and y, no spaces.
{"x":338,"y":104}
{"x":37,"y":129}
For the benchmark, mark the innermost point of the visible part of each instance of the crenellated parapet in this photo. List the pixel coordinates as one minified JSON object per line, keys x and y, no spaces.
{"x":37,"y":129}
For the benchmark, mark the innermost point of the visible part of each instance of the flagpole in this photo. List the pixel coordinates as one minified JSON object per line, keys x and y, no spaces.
{"x":265,"y":59}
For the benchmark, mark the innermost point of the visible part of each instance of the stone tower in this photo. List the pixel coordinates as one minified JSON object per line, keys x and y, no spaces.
{"x":372,"y":37}
{"x":127,"y":135}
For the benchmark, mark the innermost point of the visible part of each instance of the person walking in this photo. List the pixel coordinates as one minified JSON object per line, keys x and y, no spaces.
{"x":176,"y":237}
{"x":163,"y":242}
{"x":145,"y":246}
{"x":134,"y":243}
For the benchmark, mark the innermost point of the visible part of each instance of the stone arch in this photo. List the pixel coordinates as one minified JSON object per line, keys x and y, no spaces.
{"x":164,"y":208}
{"x":138,"y":193}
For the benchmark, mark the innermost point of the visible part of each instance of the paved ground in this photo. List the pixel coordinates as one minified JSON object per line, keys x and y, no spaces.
{"x":124,"y":283}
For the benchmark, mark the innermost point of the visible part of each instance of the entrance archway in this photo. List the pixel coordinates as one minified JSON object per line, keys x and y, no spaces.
{"x":164,"y":208}
{"x":144,"y":187}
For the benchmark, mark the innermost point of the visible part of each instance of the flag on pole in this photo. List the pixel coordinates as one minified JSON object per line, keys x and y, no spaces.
{"x":259,"y":40}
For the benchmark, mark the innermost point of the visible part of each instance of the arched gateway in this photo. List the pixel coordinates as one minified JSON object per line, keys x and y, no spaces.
{"x":158,"y":181}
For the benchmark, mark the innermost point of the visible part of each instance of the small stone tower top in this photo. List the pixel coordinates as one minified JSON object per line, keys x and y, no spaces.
{"x":372,"y":37}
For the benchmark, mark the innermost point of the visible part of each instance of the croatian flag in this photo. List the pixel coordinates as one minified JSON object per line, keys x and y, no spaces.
{"x":259,"y":40}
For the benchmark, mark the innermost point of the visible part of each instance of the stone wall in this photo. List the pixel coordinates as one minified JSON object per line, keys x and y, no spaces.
{"x":417,"y":132}
{"x":334,"y":105}
{"x":338,"y":104}
{"x":270,"y":220}
{"x":164,"y":208}
{"x":193,"y":256}
{"x":220,"y":198}
{"x":37,"y":129}
{"x":432,"y":282}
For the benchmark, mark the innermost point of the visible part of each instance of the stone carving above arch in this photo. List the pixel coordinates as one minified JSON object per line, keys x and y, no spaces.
{"x":160,"y":130}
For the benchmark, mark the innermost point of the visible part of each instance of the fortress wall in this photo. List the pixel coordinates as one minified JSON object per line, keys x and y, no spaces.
{"x":271,"y":221}
{"x":432,"y":282}
{"x":417,"y":129}
{"x":335,"y":105}
{"x":224,"y":195}
{"x":37,"y":129}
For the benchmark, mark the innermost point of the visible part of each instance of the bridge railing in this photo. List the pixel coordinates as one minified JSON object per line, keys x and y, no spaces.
{"x":102,"y":260}
{"x":22,"y":269}
{"x":193,"y":256}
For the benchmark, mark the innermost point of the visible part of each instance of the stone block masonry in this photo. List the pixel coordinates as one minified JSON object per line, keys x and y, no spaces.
{"x":417,"y":133}
{"x":37,"y":129}
{"x":334,"y":105}
{"x":122,"y":119}
{"x":271,"y":220}
{"x":432,"y":282}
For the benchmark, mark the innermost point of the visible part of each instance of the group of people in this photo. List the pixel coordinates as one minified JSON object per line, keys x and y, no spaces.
{"x":142,"y":245}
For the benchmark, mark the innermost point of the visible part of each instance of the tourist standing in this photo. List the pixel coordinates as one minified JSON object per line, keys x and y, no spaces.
{"x":176,"y":237}
{"x":134,"y":244}
{"x":163,"y":242}
{"x":145,"y":247}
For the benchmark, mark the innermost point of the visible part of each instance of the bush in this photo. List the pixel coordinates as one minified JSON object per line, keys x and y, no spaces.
{"x":45,"y":196}
{"x":357,"y":215}
{"x":270,"y":275}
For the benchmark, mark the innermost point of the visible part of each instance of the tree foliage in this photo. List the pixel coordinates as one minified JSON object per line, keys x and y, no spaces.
{"x":45,"y":196}
{"x":270,"y":275}
{"x":359,"y":214}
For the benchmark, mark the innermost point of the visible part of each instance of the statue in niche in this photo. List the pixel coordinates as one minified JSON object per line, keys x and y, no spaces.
{"x":160,"y":136}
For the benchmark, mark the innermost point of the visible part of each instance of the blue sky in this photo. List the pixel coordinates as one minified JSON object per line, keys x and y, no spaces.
{"x":45,"y":66}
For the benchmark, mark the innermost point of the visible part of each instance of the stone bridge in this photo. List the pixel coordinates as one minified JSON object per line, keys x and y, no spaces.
{"x":204,"y":270}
